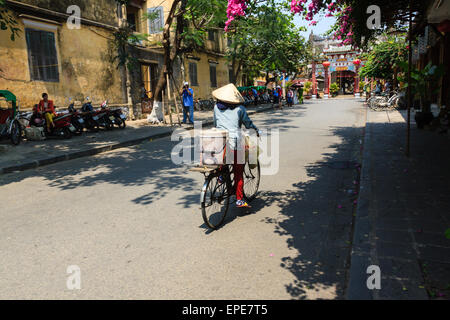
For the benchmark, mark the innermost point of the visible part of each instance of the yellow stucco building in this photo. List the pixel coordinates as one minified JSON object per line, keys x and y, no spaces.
{"x":52,"y":56}
{"x":48,"y":56}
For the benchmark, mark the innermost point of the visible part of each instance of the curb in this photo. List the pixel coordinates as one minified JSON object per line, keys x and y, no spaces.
{"x":91,"y":152}
{"x":360,"y":257}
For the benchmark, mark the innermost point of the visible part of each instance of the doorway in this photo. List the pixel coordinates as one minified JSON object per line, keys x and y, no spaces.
{"x":345,"y":80}
{"x":150,"y":76}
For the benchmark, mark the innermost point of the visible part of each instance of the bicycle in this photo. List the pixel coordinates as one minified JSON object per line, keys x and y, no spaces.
{"x":383,"y":102}
{"x":201,"y":105}
{"x":219,"y":187}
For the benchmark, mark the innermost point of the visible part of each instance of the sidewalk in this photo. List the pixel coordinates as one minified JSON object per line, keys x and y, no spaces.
{"x":32,"y":154}
{"x":403,"y":212}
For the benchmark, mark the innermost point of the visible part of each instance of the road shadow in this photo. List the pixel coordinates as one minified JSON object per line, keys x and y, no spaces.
{"x":316,"y":218}
{"x":146,"y":164}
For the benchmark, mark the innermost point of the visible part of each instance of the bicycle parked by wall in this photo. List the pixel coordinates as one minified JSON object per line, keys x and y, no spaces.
{"x":202,"y":105}
{"x":384,"y":102}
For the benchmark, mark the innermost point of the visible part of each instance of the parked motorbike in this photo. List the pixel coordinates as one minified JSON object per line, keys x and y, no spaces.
{"x":102,"y":117}
{"x":76,"y":119}
{"x":120,"y":118}
{"x":88,"y":114}
{"x":63,"y":127}
{"x":116,"y":116}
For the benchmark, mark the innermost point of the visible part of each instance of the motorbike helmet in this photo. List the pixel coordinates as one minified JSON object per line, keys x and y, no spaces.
{"x":87,"y":107}
{"x":71,"y":108}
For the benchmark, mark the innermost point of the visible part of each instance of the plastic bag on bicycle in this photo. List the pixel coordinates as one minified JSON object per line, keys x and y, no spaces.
{"x":213,"y":146}
{"x":252,"y":151}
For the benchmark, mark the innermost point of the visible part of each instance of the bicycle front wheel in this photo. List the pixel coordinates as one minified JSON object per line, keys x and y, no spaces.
{"x":252,"y":178}
{"x":215,"y":200}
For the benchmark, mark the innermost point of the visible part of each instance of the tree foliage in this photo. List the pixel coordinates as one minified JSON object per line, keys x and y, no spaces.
{"x":267,"y":40}
{"x":351,"y":26}
{"x":8,"y":20}
{"x":384,"y":58}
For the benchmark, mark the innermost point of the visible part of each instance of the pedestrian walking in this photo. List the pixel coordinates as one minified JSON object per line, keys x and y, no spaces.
{"x":280,"y":97}
{"x":387,"y":87}
{"x":187,"y":95}
{"x":290,"y":97}
{"x":378,"y":88}
{"x":275,"y":96}
{"x":255,"y":95}
{"x":295,"y":96}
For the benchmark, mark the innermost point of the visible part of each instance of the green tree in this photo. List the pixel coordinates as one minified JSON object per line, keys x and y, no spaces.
{"x":184,"y":31}
{"x":8,"y":20}
{"x":384,"y":58}
{"x":352,"y":18}
{"x":266,"y":40}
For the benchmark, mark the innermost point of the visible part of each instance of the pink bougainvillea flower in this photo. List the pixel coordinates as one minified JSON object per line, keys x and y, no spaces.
{"x":309,"y":9}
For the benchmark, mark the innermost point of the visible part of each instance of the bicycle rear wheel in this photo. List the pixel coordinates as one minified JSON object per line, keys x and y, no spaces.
{"x":215,"y":200}
{"x":252,"y":178}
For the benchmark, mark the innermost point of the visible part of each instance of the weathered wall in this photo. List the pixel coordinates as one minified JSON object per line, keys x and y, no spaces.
{"x":85,"y":68}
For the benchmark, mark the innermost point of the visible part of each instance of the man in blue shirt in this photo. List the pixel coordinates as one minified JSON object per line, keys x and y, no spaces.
{"x":187,"y":95}
{"x":378,"y":88}
{"x":255,"y":94}
{"x":275,"y":97}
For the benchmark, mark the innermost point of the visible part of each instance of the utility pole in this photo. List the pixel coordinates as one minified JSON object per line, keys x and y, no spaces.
{"x":408,"y":124}
{"x":168,"y":99}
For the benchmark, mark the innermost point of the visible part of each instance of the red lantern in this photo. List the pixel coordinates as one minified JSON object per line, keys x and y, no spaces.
{"x":357,"y":62}
{"x":326,"y":64}
{"x":444,"y":26}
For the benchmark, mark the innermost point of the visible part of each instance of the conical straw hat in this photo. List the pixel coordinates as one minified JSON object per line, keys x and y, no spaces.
{"x":228,"y":94}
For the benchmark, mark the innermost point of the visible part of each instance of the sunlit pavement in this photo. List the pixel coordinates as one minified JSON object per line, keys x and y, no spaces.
{"x":130,"y":220}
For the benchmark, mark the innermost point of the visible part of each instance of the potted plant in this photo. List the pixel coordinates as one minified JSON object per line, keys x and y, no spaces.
{"x":334,"y":89}
{"x":307,"y":89}
{"x":424,"y":84}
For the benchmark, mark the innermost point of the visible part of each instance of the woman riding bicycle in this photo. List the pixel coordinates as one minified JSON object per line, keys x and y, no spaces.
{"x":230,"y":115}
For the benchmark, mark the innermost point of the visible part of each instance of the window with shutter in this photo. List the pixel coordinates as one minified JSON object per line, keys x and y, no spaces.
{"x":213,"y":75}
{"x":211,"y":35}
{"x":156,"y":20}
{"x":42,"y":57}
{"x":193,"y":73}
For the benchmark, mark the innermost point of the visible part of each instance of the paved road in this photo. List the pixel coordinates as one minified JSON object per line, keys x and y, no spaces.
{"x":130,"y":220}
